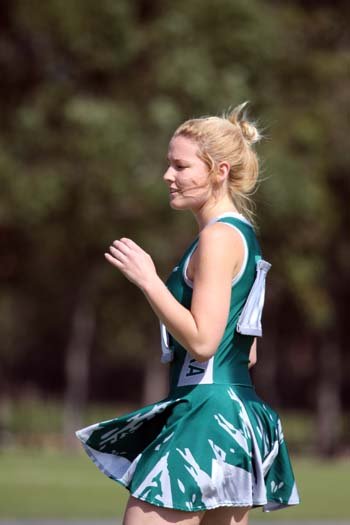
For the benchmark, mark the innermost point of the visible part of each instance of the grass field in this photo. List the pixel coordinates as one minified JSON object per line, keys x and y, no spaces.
{"x":44,"y":484}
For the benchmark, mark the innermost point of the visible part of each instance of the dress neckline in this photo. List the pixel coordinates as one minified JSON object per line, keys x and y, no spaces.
{"x":234,"y":214}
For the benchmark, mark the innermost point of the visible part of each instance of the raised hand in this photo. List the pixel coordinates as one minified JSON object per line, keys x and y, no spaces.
{"x":136,"y":264}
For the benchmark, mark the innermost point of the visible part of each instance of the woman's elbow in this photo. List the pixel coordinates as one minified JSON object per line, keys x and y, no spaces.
{"x":202,"y":353}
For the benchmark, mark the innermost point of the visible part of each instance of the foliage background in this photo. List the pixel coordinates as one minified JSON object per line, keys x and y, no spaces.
{"x":90,"y":95}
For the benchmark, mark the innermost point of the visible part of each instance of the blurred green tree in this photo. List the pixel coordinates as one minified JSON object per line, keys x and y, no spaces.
{"x":90,"y":95}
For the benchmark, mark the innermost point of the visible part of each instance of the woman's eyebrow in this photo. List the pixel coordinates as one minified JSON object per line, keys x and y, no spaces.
{"x":175,"y":159}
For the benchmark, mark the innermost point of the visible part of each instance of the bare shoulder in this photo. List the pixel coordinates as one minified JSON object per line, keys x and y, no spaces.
{"x":219,"y":245}
{"x":220,"y":233}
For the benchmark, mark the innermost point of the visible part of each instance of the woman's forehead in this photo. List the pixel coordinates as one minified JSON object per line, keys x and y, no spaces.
{"x":182,"y":146}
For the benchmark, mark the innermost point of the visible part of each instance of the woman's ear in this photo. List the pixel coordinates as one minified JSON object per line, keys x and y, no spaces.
{"x":223,"y":170}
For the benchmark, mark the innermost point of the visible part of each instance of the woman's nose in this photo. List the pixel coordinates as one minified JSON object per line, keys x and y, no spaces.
{"x":169,"y":175}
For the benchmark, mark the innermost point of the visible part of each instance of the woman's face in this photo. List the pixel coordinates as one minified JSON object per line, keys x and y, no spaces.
{"x":187,"y":175}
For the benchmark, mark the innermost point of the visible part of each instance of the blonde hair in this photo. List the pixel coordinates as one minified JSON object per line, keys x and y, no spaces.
{"x":228,"y":138}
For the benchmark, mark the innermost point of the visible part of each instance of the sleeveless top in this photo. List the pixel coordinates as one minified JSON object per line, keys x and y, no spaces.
{"x":230,"y":362}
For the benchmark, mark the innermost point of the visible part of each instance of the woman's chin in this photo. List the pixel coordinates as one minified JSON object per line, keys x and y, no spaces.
{"x":174,"y":206}
{"x":173,"y":203}
{"x":177,"y":205}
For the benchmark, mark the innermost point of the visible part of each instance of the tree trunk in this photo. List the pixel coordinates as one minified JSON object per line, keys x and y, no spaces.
{"x":77,"y":369}
{"x":328,"y":398}
{"x":5,"y":418}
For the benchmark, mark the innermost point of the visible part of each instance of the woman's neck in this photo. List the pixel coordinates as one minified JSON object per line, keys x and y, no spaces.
{"x":207,"y":213}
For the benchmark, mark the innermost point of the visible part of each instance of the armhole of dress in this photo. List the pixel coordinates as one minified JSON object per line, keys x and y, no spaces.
{"x":185,"y":266}
{"x":240,"y":273}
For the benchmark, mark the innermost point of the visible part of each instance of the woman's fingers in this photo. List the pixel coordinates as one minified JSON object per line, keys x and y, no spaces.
{"x":112,"y":260}
{"x":122,"y":246}
{"x":117,"y":253}
{"x":120,"y":250}
{"x":130,"y":244}
{"x":131,"y":260}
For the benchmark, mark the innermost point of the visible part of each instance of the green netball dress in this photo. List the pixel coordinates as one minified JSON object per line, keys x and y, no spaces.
{"x":212,"y":441}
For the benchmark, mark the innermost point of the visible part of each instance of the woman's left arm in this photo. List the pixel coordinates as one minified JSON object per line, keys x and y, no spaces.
{"x":253,"y":355}
{"x":200,"y":329}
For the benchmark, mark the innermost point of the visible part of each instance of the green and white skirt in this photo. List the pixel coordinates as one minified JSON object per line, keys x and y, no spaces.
{"x":203,"y":447}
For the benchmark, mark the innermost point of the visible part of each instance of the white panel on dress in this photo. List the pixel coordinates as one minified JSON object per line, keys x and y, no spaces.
{"x":113,"y":466}
{"x":158,"y":479}
{"x":196,"y":372}
{"x":249,"y":322}
{"x":225,"y":483}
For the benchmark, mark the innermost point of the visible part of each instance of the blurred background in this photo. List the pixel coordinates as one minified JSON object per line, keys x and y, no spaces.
{"x":90,"y":95}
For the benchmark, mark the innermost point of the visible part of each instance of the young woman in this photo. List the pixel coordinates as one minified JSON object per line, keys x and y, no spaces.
{"x":212,"y":449}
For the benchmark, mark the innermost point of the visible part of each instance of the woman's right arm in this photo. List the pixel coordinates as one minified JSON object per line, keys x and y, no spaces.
{"x":253,"y":357}
{"x":200,"y":329}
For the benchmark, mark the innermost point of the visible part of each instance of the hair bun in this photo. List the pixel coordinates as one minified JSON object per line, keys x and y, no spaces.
{"x":249,"y":129}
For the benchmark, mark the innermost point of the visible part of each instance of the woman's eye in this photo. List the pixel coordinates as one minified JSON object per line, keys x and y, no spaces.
{"x":176,"y":166}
